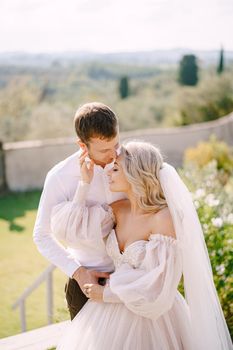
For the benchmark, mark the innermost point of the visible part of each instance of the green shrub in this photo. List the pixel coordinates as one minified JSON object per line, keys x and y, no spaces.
{"x":207,"y":151}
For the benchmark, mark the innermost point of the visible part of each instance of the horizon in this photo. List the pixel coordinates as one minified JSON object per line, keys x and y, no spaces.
{"x":114,"y":52}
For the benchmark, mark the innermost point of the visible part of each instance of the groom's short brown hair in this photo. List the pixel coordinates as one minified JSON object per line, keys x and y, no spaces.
{"x":95,"y":119}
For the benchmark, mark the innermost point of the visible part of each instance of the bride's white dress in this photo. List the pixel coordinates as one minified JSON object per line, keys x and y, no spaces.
{"x":142,"y":308}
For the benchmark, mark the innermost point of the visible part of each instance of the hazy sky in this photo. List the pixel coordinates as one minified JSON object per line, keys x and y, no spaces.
{"x":115,"y":25}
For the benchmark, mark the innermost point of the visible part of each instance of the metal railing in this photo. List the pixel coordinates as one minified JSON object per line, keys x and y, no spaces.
{"x":46,"y":275}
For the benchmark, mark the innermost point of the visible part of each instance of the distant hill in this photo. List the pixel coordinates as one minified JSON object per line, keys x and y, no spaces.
{"x":157,"y":57}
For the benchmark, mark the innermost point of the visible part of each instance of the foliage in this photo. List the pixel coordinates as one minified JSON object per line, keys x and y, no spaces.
{"x":188,"y":70}
{"x":213,"y":201}
{"x":212,"y":99}
{"x":206,"y":151}
{"x":40,"y":102}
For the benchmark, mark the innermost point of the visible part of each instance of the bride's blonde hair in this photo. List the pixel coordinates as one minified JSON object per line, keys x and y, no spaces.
{"x":141,"y":163}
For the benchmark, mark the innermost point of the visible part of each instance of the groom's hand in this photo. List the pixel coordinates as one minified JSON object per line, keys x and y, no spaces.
{"x":83,"y":276}
{"x":94,"y":291}
{"x":86,"y":168}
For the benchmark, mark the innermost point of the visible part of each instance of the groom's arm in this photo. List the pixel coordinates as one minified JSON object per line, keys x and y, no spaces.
{"x":53,"y":193}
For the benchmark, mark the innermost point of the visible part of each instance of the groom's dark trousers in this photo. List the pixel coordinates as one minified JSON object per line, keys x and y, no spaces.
{"x":75,"y":297}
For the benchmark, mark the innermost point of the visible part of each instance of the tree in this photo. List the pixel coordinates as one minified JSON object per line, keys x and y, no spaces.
{"x":212,"y":99}
{"x":220,"y":68}
{"x":188,"y":70}
{"x":124,"y":87}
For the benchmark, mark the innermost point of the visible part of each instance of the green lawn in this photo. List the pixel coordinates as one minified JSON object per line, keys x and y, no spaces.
{"x":21,"y":263}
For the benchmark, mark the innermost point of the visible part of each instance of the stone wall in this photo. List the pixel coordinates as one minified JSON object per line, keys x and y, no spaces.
{"x":2,"y":170}
{"x":26,"y":163}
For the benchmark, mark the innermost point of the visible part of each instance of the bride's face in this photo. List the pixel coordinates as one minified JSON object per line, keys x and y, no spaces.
{"x":117,"y":179}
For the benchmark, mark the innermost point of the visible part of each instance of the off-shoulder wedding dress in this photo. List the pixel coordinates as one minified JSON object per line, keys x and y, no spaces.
{"x":142,"y":308}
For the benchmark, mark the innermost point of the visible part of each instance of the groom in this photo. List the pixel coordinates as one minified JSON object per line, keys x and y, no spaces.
{"x":97,"y":129}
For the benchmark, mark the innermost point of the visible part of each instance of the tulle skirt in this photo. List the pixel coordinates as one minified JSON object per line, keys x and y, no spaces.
{"x":107,"y":326}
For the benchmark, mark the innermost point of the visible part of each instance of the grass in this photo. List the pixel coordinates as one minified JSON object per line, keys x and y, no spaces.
{"x":21,"y":263}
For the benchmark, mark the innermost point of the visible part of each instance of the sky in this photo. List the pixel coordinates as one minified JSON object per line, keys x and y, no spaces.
{"x":115,"y":25}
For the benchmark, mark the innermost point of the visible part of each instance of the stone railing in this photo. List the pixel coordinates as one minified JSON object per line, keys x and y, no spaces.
{"x":47,"y":277}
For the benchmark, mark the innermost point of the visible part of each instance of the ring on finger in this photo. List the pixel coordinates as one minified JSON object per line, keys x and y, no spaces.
{"x":87,"y":290}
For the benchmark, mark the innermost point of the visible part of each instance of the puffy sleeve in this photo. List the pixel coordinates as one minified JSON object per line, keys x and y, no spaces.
{"x":74,"y":220}
{"x":150,"y":289}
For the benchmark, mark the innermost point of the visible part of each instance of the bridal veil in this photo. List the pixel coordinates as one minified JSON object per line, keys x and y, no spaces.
{"x":208,"y":323}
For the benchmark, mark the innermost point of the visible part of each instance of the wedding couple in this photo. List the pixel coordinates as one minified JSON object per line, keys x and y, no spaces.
{"x":131,"y":232}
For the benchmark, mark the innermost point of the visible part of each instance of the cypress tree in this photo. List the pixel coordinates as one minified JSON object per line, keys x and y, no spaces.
{"x":188,"y":70}
{"x":220,"y":68}
{"x":124,"y":87}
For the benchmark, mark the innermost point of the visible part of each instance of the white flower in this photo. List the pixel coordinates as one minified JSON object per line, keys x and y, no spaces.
{"x":217,"y":222}
{"x":220,"y":269}
{"x":200,"y":192}
{"x":211,"y":200}
{"x":229,"y":219}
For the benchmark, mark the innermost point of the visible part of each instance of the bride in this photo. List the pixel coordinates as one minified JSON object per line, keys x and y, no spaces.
{"x":154,"y":238}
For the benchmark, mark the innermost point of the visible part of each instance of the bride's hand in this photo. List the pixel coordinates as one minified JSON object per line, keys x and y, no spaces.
{"x":94,"y":291}
{"x":86,"y":168}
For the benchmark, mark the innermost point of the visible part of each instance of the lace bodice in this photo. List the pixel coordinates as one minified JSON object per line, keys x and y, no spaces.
{"x":133,"y":253}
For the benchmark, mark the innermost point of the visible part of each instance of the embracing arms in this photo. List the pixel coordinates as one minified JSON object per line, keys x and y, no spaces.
{"x":48,"y":245}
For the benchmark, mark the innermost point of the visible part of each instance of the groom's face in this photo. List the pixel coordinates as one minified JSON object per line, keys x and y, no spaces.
{"x":102,"y":151}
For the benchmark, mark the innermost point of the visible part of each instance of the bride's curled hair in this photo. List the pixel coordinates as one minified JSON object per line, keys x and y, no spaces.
{"x":141,"y":162}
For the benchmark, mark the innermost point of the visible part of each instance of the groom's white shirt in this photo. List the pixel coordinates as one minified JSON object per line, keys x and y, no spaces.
{"x":60,"y":185}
